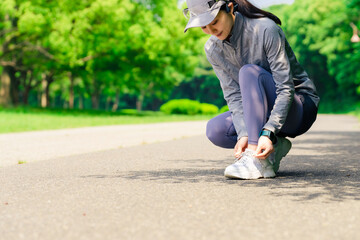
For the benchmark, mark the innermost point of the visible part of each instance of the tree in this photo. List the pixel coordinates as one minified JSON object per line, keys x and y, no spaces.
{"x":319,"y":34}
{"x":100,"y":47}
{"x":160,"y":55}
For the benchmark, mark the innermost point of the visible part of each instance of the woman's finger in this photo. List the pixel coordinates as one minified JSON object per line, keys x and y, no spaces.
{"x":262,"y":155}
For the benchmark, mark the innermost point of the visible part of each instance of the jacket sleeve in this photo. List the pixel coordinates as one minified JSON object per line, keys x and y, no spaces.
{"x":232,"y":95}
{"x":274,"y":46}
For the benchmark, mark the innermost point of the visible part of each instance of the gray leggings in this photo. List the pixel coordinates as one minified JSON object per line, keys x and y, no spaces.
{"x":257,"y":108}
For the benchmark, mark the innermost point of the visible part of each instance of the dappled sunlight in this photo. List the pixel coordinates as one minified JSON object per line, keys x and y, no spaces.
{"x":322,"y":165}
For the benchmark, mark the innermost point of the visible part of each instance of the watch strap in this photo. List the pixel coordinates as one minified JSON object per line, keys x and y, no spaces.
{"x":268,"y":134}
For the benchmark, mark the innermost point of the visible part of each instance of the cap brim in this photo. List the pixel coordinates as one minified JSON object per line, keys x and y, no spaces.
{"x":203,"y":19}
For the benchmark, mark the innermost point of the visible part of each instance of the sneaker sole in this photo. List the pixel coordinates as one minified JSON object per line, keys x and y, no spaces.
{"x":250,"y":175}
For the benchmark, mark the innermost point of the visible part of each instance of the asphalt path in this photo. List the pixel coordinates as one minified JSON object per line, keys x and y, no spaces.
{"x":37,"y":146}
{"x":176,"y":190}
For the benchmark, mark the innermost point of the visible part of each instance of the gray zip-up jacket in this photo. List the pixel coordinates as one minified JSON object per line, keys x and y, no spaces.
{"x":261,"y":42}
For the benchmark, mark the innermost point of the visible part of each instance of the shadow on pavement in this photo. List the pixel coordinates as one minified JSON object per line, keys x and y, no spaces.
{"x":326,"y":165}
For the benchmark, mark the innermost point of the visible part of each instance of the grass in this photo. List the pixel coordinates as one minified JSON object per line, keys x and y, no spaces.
{"x":350,"y":108}
{"x":356,"y":113}
{"x":21,"y":119}
{"x":344,"y":106}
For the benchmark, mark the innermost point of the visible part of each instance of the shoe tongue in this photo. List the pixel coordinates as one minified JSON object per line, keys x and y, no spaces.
{"x":249,"y":152}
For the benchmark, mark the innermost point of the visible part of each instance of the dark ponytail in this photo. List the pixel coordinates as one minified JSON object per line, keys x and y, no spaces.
{"x":248,"y":10}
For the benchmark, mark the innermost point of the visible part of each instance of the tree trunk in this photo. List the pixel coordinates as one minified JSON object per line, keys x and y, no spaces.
{"x":9,"y":85}
{"x":5,"y":98}
{"x":116,"y":102}
{"x":95,"y":101}
{"x":43,"y":90}
{"x":47,"y":79}
{"x":140,"y":101}
{"x":14,"y":88}
{"x":95,"y":96}
{"x":141,"y":97}
{"x":71,"y":94}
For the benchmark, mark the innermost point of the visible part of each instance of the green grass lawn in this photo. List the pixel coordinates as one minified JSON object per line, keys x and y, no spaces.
{"x":30,"y":119}
{"x":23,"y":119}
{"x":345,"y":107}
{"x":356,"y":113}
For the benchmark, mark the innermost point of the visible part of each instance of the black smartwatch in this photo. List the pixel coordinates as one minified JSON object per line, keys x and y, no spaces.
{"x":269,"y":134}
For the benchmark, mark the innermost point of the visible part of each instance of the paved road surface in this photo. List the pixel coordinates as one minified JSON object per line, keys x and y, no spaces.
{"x":43,"y":145}
{"x":176,"y":190}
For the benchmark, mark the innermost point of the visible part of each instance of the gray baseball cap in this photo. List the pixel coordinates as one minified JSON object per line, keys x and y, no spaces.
{"x":201,"y":12}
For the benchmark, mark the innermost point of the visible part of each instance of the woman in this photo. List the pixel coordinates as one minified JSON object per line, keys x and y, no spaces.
{"x":269,"y":94}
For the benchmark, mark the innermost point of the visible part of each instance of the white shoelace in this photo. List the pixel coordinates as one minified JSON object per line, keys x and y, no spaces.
{"x":242,"y":157}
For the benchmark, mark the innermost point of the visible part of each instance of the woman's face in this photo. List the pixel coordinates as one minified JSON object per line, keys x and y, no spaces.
{"x":221,"y":26}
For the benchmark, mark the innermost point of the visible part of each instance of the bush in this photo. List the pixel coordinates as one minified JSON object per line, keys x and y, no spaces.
{"x":188,"y":107}
{"x":224,"y":109}
{"x":181,"y":106}
{"x":207,"y":109}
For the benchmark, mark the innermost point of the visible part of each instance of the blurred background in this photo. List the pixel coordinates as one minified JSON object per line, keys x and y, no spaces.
{"x":111,"y":55}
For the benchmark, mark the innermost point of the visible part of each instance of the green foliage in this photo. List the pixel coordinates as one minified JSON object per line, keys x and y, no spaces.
{"x":319,"y":33}
{"x":188,"y":107}
{"x":203,"y":86}
{"x":208,"y":109}
{"x":356,"y":110}
{"x":224,"y":109}
{"x":127,"y":51}
{"x":181,"y":106}
{"x":108,"y":46}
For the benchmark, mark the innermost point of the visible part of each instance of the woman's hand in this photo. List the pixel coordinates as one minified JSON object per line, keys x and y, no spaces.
{"x":265,"y":148}
{"x":240,"y":146}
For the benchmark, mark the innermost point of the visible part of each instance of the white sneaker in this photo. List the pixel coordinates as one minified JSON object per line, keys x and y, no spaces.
{"x":282,"y":147}
{"x":249,"y":167}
